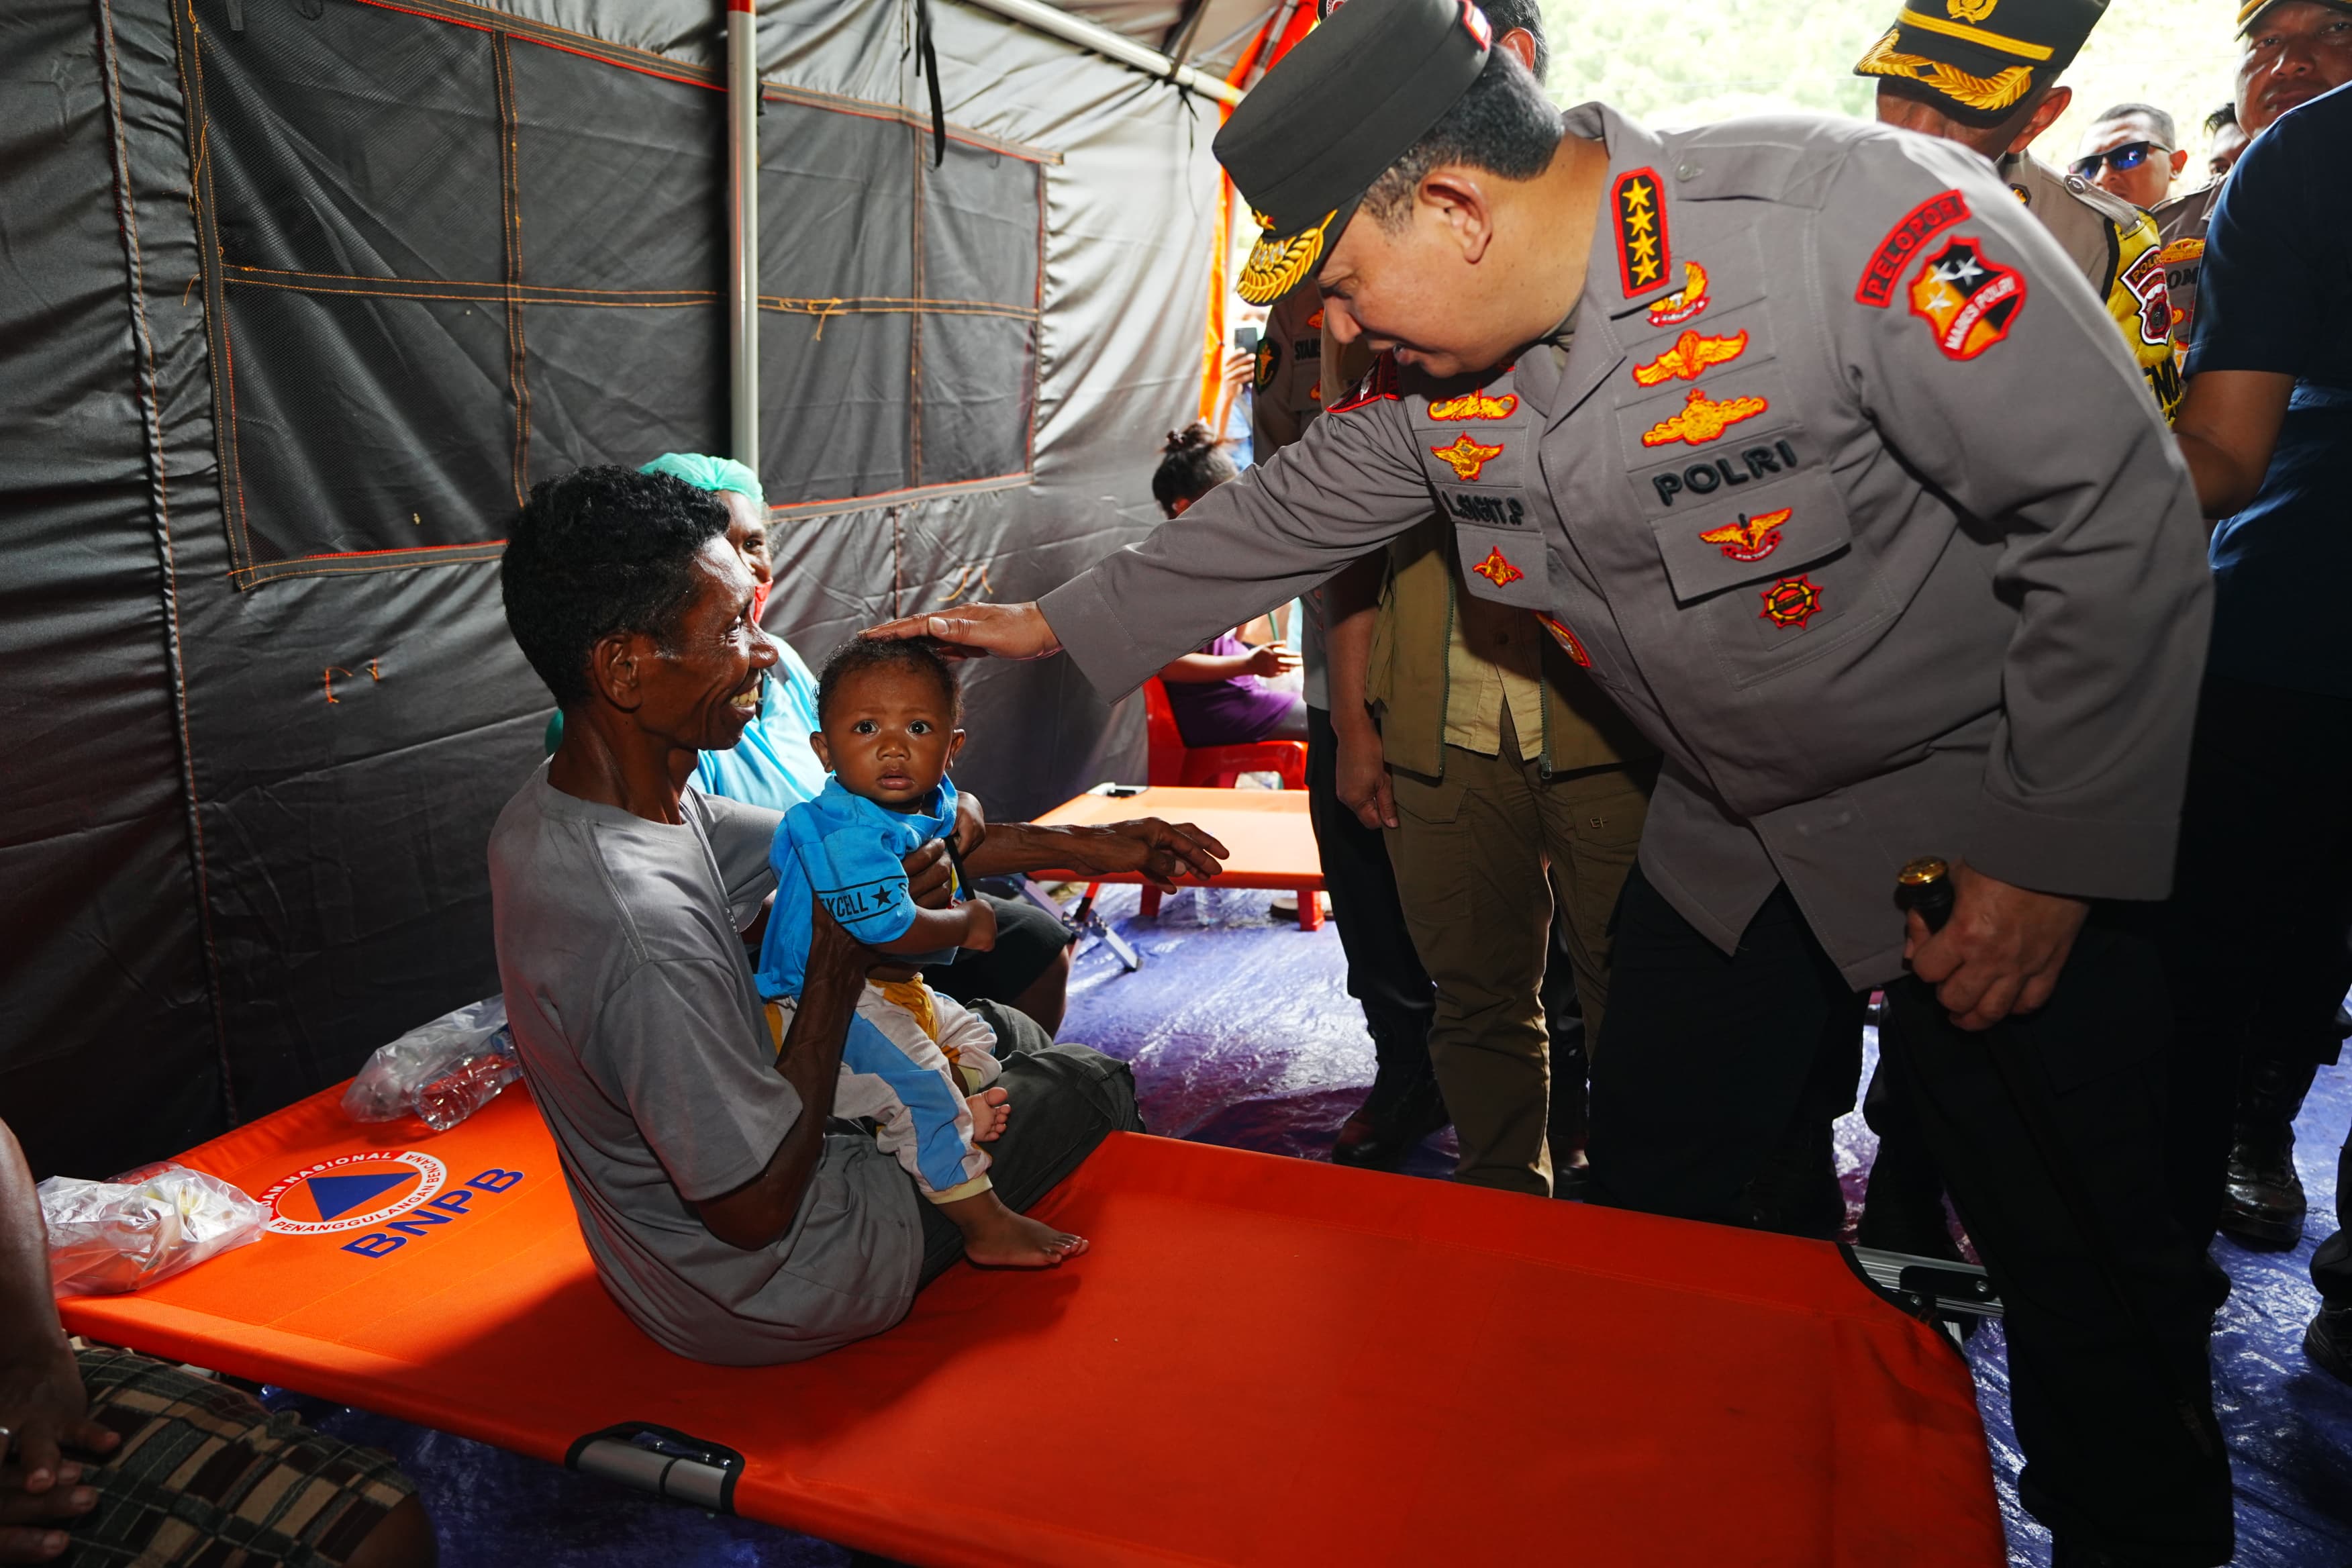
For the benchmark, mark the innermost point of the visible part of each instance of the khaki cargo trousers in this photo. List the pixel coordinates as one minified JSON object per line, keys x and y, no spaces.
{"x":1481,"y":855}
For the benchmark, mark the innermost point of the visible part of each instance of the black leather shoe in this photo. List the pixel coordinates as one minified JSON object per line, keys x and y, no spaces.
{"x":2328,"y":1341}
{"x":1390,"y":1126}
{"x":2263,"y":1202}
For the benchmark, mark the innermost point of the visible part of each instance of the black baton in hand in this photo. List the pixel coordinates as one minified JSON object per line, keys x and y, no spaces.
{"x":1924,"y":888}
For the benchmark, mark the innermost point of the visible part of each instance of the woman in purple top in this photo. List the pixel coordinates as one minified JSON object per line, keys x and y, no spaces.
{"x":1219,"y":694}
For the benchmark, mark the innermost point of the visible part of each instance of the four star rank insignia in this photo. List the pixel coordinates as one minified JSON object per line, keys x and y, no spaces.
{"x":1644,"y":253}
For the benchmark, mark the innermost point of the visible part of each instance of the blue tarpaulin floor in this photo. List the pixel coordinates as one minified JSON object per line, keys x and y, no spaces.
{"x":1241,"y":1033}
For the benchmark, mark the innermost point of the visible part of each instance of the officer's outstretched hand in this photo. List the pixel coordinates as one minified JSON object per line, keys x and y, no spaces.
{"x":979,"y":631}
{"x":2001,"y":952}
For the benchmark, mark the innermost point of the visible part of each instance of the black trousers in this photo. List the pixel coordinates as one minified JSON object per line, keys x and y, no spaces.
{"x":1065,"y":1100}
{"x":1713,"y":1086}
{"x":1384,"y":972}
{"x":2256,"y":935}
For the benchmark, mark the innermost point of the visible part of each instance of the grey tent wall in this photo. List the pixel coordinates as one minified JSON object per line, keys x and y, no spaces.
{"x":243,"y":828}
{"x":110,"y":1051}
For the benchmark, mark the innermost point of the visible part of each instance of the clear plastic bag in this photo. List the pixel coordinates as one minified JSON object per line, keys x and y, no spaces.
{"x":106,"y":1237}
{"x":443,"y":1071}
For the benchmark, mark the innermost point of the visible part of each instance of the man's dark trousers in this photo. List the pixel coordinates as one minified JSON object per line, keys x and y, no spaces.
{"x":1710,"y":1084}
{"x":2261,"y":907}
{"x":1384,"y":972}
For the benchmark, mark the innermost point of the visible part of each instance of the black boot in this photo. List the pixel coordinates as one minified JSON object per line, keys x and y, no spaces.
{"x":2265,"y":1204}
{"x":1403,"y":1110}
{"x":2328,"y":1341}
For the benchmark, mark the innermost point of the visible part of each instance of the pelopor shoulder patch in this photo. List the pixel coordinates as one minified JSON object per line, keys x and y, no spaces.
{"x":1644,"y":251}
{"x":1971,"y":300}
{"x":1919,"y":225}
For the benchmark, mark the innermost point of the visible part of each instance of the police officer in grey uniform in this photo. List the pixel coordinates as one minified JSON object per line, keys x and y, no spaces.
{"x":1813,"y":448}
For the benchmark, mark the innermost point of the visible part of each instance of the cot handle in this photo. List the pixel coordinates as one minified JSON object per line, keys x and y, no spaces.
{"x":661,"y":1461}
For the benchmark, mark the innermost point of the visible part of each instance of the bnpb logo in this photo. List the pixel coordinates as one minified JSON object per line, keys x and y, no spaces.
{"x":353,"y":1192}
{"x":392,"y":1197}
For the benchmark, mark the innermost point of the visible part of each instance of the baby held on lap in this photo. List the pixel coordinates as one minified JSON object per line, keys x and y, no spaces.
{"x":916,"y":1064}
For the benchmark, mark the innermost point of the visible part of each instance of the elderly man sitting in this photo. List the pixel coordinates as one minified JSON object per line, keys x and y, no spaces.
{"x":727,"y":1217}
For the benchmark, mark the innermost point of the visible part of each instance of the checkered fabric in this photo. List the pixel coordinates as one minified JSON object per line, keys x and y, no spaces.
{"x":206,"y":1478}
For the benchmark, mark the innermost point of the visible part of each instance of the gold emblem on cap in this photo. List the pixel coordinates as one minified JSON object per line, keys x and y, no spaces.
{"x":1990,"y":94}
{"x":1969,"y":10}
{"x":1275,"y":267}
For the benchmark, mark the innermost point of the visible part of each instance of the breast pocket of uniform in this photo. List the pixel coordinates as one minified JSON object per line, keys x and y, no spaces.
{"x":1772,"y":572}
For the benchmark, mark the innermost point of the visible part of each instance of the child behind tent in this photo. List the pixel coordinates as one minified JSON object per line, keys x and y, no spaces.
{"x":915,"y":1063}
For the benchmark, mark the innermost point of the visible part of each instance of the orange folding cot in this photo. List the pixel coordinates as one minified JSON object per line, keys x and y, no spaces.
{"x":1262,"y":1361}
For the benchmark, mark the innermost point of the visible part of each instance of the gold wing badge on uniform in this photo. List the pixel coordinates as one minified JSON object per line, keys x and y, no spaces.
{"x":1684,"y":302}
{"x":1691,"y":357}
{"x":1467,"y":457}
{"x":1276,"y":266}
{"x":1702,"y":419}
{"x":1475,"y":405}
{"x":1751,"y":538}
{"x":1990,"y":94}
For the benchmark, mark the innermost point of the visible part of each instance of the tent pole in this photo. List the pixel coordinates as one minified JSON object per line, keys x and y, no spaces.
{"x":1070,"y":29}
{"x":743,"y":230}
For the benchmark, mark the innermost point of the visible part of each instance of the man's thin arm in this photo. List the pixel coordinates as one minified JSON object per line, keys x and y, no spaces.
{"x":763,"y":1208}
{"x":2228,"y":426}
{"x":1161,"y":851}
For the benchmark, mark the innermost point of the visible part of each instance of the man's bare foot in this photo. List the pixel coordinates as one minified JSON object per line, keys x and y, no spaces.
{"x":991,"y":1109}
{"x":996,"y":1238}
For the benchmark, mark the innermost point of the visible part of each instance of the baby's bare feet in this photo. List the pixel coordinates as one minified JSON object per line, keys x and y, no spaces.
{"x":991,"y":1109}
{"x":996,"y":1238}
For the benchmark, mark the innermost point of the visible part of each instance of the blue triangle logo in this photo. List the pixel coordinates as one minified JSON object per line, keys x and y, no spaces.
{"x":339,"y":1195}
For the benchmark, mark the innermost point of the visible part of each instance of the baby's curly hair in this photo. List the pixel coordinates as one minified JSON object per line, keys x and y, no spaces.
{"x":914,"y":655}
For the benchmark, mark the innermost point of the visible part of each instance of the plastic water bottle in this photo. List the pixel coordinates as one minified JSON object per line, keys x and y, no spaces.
{"x":468,"y":1084}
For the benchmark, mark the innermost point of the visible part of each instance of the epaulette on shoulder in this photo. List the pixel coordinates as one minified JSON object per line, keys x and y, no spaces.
{"x":2113,"y":208}
{"x":1383,"y":381}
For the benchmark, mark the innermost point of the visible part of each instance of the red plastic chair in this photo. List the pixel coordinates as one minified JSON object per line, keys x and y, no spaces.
{"x":1211,"y":767}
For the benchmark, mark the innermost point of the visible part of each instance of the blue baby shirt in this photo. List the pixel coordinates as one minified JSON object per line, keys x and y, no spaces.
{"x":847,"y":850}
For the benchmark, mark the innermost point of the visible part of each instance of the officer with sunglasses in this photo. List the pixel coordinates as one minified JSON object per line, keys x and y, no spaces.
{"x":2132,"y":152}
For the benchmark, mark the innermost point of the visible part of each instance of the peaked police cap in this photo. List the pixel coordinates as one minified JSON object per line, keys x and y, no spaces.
{"x":1353,"y":98}
{"x":1982,"y":58}
{"x":2251,"y":12}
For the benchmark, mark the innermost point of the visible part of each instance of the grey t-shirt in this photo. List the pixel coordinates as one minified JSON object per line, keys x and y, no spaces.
{"x":644,"y":1046}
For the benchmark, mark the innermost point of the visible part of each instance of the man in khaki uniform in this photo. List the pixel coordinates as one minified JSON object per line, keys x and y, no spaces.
{"x":1507,"y":786}
{"x":1994,"y":93}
